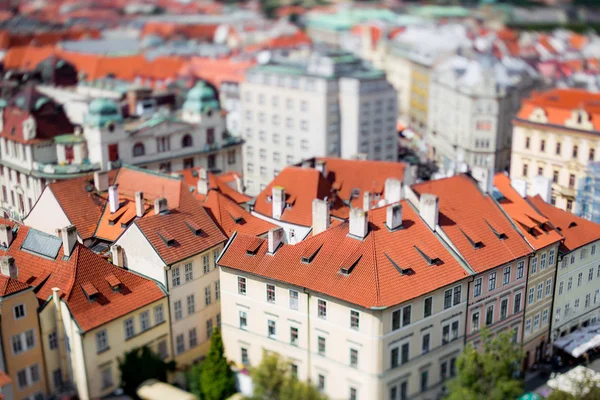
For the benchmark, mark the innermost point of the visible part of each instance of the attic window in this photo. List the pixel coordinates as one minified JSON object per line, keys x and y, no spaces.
{"x":429,"y":260}
{"x":166,"y":237}
{"x":402,"y":271}
{"x":476,"y":245}
{"x":114,"y":282}
{"x":91,"y":293}
{"x":311,"y":252}
{"x":573,"y":224}
{"x":194,"y":227}
{"x":350,"y":263}
{"x":235,"y":214}
{"x":499,"y":235}
{"x":253,"y":247}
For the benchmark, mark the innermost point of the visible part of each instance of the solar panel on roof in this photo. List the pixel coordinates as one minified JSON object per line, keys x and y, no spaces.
{"x":41,"y":243}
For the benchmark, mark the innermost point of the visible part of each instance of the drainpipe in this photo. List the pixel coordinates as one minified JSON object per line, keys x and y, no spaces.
{"x":308,"y":347}
{"x":62,"y":351}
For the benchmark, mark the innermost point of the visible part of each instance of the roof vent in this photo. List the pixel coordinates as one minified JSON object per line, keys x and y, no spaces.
{"x":139,"y":204}
{"x":90,"y":291}
{"x":113,"y":199}
{"x":166,"y":237}
{"x":429,"y":208}
{"x":429,"y":260}
{"x":403,"y":271}
{"x":573,"y":224}
{"x":101,"y":181}
{"x":310,"y":252}
{"x":194,"y":227}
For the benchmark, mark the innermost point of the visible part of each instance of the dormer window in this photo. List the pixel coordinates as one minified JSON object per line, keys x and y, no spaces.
{"x":91,"y":293}
{"x":114,"y":282}
{"x":166,"y":237}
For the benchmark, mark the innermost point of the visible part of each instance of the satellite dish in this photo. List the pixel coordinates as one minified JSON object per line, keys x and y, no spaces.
{"x":263,"y":57}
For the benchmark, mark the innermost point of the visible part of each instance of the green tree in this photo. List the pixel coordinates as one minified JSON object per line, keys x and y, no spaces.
{"x":273,"y":380}
{"x":140,"y":364}
{"x":193,"y":380}
{"x":217,"y":380}
{"x":489,"y":374}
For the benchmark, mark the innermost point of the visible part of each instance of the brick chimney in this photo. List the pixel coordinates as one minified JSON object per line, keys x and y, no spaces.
{"x":6,"y":235}
{"x":69,"y":239}
{"x":429,"y":209}
{"x":320,"y":216}
{"x":359,"y":223}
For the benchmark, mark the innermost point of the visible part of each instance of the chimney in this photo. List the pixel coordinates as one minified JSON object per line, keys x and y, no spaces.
{"x":278,"y":201}
{"x":367,"y":200}
{"x":101,"y":181}
{"x":113,"y":199}
{"x":116,"y":252}
{"x":203,"y":174}
{"x":429,"y":209}
{"x":359,"y":224}
{"x":202,"y":186}
{"x":486,"y":180}
{"x":132,"y":99}
{"x":393,"y":218}
{"x":320,"y":216}
{"x":8,"y":267}
{"x":392,"y":190}
{"x":139,"y":204}
{"x":321,"y":167}
{"x":69,"y":238}
{"x":160,"y":205}
{"x":542,"y":186}
{"x":6,"y":235}
{"x":275,"y":239}
{"x":520,"y":186}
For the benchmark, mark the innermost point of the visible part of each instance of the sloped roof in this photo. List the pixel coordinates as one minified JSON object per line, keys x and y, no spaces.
{"x":536,"y":228}
{"x":374,"y":280}
{"x":10,"y":286}
{"x":191,"y":176}
{"x":82,"y":269}
{"x":5,"y":380}
{"x":473,"y":222}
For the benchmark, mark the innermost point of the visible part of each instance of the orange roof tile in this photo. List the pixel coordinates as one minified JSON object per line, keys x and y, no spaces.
{"x":468,"y":216}
{"x":536,"y":228}
{"x":375,"y":279}
{"x":578,"y":41}
{"x":5,"y":380}
{"x":217,"y":70}
{"x":27,"y":57}
{"x":10,"y":286}
{"x":220,"y":183}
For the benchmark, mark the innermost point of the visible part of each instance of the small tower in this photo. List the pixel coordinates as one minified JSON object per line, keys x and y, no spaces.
{"x":103,"y":130}
{"x":201,"y":102}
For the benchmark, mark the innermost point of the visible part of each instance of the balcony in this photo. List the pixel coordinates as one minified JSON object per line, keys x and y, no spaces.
{"x":63,"y":171}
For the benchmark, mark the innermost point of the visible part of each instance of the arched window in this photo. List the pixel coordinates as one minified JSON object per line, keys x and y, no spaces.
{"x":186,"y":141}
{"x":138,"y":150}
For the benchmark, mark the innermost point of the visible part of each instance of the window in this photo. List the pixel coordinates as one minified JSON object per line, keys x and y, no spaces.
{"x":191,"y":304}
{"x":209,"y":328}
{"x":555,"y":176}
{"x":425,"y":343}
{"x":569,"y":283}
{"x":443,"y":371}
{"x":394,"y":357}
{"x":571,"y":181}
{"x":207,"y":296}
{"x":106,"y":375}
{"x":579,"y":278}
{"x":206,"y":263}
{"x":528,"y":325}
{"x":540,"y":289}
{"x":543,"y":261}
{"x":445,"y":334}
{"x":545,"y":317}
{"x":304,"y":144}
{"x":130,"y":328}
{"x":321,"y":383}
{"x":593,"y":251}
{"x":270,"y":293}
{"x":569,"y":205}
{"x":179,"y":344}
{"x":447,"y":299}
{"x":353,"y":393}
{"x":591,"y":274}
{"x":176,"y":279}
{"x":189,"y":272}
{"x":551,"y":258}
{"x":405,"y":353}
{"x":536,"y":322}
{"x":138,"y":150}
{"x":243,"y":320}
{"x":145,"y":320}
{"x":457,"y":295}
{"x":322,"y":309}
{"x":162,"y":349}
{"x":575,"y":151}
{"x":177,"y":310}
{"x":548,"y":287}
{"x":527,"y":142}
{"x":354,"y":319}
{"x":353,"y":358}
{"x":520,"y":267}
{"x":163,"y":144}
{"x":542,"y":146}
{"x":592,"y":154}
{"x":534,"y":265}
{"x":19,"y":311}
{"x":293,"y":300}
{"x":525,"y":169}
{"x":241,"y":285}
{"x":217,"y":290}
{"x":576,"y":305}
{"x":101,"y":341}
{"x":560,"y":288}
{"x":489,"y":315}
{"x":245,"y":360}
{"x":517,"y":305}
{"x":503,"y":308}
{"x":52,"y":340}
{"x":477,"y":288}
{"x":475,"y":321}
{"x":427,"y":307}
{"x":321,"y":345}
{"x":424,"y":378}
{"x":271,"y":329}
{"x":158,"y":314}
{"x":193,"y":337}
{"x":492,"y":281}
{"x":558,"y":148}
{"x":506,"y":276}
{"x":294,"y":335}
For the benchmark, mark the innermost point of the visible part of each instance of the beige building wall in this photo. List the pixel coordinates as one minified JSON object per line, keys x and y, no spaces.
{"x":398,"y":69}
{"x":577,"y":283}
{"x":30,"y":358}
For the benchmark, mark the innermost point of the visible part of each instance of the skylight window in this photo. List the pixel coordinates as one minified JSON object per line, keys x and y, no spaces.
{"x":167,"y":237}
{"x":350,"y":263}
{"x":429,"y":260}
{"x":194,"y":227}
{"x":253,"y":247}
{"x":310,"y":252}
{"x":403,"y":271}
{"x":91,"y":293}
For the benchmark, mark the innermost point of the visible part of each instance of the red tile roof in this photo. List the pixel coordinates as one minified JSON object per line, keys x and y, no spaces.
{"x":10,"y":286}
{"x":374,"y":280}
{"x":220,"y":183}
{"x":5,"y":380}
{"x":216,"y":70}
{"x":536,"y":228}
{"x":83,"y":269}
{"x":468,"y":216}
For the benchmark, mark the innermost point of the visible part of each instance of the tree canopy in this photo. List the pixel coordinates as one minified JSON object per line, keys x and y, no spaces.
{"x":216,"y":379}
{"x":141,"y":364}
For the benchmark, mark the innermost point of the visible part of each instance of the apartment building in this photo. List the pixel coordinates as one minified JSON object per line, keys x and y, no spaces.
{"x":328,"y":104}
{"x":360,"y":309}
{"x":472,"y":103}
{"x":22,"y":356}
{"x":577,"y":286}
{"x":555,"y":136}
{"x":471,"y":223}
{"x":90,"y":312}
{"x":545,"y":240}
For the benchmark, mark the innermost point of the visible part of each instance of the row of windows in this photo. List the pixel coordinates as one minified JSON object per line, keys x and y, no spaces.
{"x":490,"y":315}
{"x":163,"y":143}
{"x":558,"y":149}
{"x":505,"y":278}
{"x":587,"y":304}
{"x":540,"y":291}
{"x":180,"y":346}
{"x":188,"y":269}
{"x":536,"y":321}
{"x":191,"y":301}
{"x":16,"y":199}
{"x":15,"y":150}
{"x":590,"y":277}
{"x":582,"y":255}
{"x":28,"y":376}
{"x":23,"y":341}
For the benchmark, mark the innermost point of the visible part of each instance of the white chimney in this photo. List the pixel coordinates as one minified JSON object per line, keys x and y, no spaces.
{"x":6,"y":235}
{"x":429,"y":209}
{"x":69,"y":238}
{"x":392,"y":190}
{"x":321,"y":167}
{"x":203,"y":174}
{"x":320,"y":216}
{"x":116,"y":252}
{"x":101,"y":181}
{"x":485,"y":177}
{"x":160,"y":205}
{"x":278,"y":201}
{"x":367,"y":201}
{"x":275,"y":239}
{"x":202,"y":186}
{"x":393,"y":216}
{"x":113,"y":199}
{"x":359,"y":223}
{"x":542,"y":186}
{"x":520,"y":186}
{"x":8,"y":267}
{"x":139,"y":204}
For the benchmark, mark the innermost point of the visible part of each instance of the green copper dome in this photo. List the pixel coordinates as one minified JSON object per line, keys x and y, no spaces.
{"x":201,"y":98}
{"x":101,"y":112}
